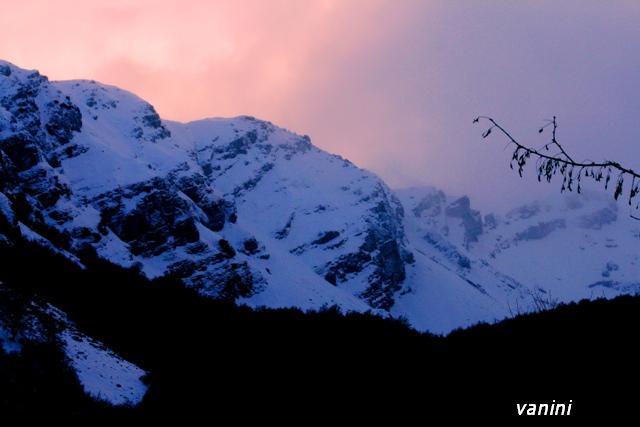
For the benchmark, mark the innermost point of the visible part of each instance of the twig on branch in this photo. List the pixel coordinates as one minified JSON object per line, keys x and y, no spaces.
{"x":572,"y":171}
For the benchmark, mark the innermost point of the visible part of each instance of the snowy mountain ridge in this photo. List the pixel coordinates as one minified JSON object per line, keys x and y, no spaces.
{"x":241,"y":209}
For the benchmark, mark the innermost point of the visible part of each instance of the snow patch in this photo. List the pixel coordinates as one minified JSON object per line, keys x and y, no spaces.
{"x":103,"y":374}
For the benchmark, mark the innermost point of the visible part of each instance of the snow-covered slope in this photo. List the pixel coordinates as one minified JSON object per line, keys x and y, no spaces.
{"x":450,"y":285}
{"x":241,"y":209}
{"x":572,"y":246}
{"x":103,"y":374}
{"x":566,"y":248}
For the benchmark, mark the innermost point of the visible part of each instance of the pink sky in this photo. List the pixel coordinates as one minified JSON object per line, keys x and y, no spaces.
{"x":390,"y":84}
{"x":285,"y":61}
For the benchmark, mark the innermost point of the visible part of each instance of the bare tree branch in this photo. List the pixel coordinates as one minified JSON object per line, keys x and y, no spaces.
{"x":572,"y":171}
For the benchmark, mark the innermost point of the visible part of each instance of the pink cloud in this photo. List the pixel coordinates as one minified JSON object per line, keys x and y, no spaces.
{"x":392,"y":85}
{"x":276,"y":60}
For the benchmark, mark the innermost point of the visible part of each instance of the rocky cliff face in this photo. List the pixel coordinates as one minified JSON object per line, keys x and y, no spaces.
{"x":238,"y":208}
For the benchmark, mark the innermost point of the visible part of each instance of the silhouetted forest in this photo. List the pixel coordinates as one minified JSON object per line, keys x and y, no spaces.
{"x":216,"y":359}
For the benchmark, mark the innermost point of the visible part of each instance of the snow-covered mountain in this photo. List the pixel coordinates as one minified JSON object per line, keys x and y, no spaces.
{"x":241,"y":209}
{"x":238,"y":208}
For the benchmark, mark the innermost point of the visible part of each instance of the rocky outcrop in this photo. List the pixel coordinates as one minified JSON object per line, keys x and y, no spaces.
{"x":382,"y":249}
{"x":158,"y":221}
{"x":430,"y":205}
{"x":448,"y":250}
{"x":525,"y":211}
{"x":64,"y":119}
{"x":541,"y":230}
{"x":471,"y":219}
{"x":598,"y":219}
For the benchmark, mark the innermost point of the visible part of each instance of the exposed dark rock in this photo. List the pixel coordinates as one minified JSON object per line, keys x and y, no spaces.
{"x":609,"y":268}
{"x":525,"y":211}
{"x":251,"y":183}
{"x":217,"y":210}
{"x":193,"y":186}
{"x":383,"y":243}
{"x":382,"y":248}
{"x":23,"y":153}
{"x":151,"y":120}
{"x":226,"y":249}
{"x":8,"y":175}
{"x":301,"y":146}
{"x":67,"y":152}
{"x":45,"y":186}
{"x":449,"y":250}
{"x":541,"y":230}
{"x":160,"y":217}
{"x":490,"y":221}
{"x":207,"y":168}
{"x":340,"y":269}
{"x":196,"y":248}
{"x":284,"y":232}
{"x":323,"y":239}
{"x":337,"y":244}
{"x":388,"y":277}
{"x":596,"y":220}
{"x":471,"y":219}
{"x":383,"y":283}
{"x":73,"y":150}
{"x":5,"y":70}
{"x":239,"y":283}
{"x":182,"y":269}
{"x":85,"y":234}
{"x":430,"y":205}
{"x":236,"y":281}
{"x":238,"y":146}
{"x":620,"y":287}
{"x":459,"y":208}
{"x":326,"y":237}
{"x":60,"y":216}
{"x":25,"y":114}
{"x":29,"y":211}
{"x":250,"y":246}
{"x":65,"y":118}
{"x":137,"y":132}
{"x":8,"y":221}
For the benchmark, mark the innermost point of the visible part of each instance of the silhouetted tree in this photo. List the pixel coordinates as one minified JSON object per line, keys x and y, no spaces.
{"x":552,"y":159}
